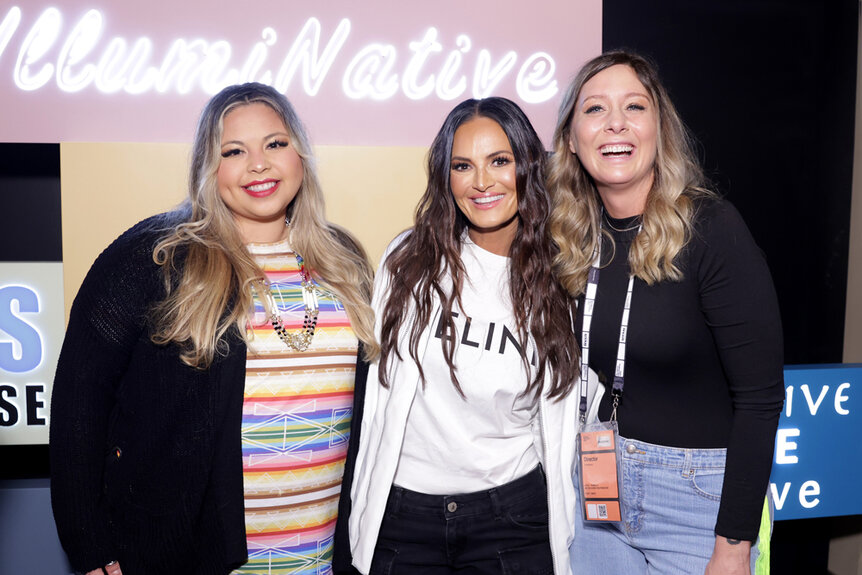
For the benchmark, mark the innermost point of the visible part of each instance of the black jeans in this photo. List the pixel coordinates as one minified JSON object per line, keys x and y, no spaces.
{"x":503,"y":530}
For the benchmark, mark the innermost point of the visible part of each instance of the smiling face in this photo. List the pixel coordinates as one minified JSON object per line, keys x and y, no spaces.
{"x":260,"y":172}
{"x":484,"y":183}
{"x":614,"y":133}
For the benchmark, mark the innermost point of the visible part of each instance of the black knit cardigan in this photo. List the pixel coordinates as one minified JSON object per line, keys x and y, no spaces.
{"x":146,"y":458}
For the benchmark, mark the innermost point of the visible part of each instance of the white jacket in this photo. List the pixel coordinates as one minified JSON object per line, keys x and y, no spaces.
{"x":384,"y":422}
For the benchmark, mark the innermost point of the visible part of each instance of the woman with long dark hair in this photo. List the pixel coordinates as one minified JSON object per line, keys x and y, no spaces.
{"x":468,"y":433}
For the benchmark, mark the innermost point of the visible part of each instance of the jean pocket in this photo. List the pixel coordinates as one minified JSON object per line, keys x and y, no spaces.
{"x":708,"y":483}
{"x":531,"y":519}
{"x":383,"y":561}
{"x":534,"y":559}
{"x":530,"y":509}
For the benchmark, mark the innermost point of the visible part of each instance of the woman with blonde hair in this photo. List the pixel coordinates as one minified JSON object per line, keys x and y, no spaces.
{"x":678,"y":316}
{"x":203,"y":394}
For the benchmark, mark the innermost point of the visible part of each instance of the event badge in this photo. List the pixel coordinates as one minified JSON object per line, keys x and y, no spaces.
{"x":599,"y":484}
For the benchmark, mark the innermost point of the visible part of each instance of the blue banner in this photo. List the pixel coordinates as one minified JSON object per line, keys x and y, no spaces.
{"x":818,"y":448}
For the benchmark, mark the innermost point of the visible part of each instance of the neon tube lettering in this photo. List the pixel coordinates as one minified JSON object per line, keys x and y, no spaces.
{"x":78,"y":45}
{"x":190,"y":64}
{"x":421,"y":51}
{"x":255,"y":60}
{"x":36,"y":44}
{"x":536,"y":83}
{"x":445,"y":90}
{"x":8,"y":27}
{"x":487,"y":78}
{"x":369,"y":74}
{"x":304,"y":52}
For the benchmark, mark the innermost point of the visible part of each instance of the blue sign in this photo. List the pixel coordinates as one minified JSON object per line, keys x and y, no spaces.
{"x":818,"y":447}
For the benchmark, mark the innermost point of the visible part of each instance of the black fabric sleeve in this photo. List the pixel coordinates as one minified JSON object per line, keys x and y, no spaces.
{"x":741,"y":309}
{"x":342,"y":559}
{"x":107,"y":318}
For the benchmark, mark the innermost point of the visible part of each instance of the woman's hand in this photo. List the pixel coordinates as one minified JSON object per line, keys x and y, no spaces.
{"x":729,"y":557}
{"x":112,"y":568}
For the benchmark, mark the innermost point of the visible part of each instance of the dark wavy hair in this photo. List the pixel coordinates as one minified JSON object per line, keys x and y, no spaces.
{"x":419,"y":266}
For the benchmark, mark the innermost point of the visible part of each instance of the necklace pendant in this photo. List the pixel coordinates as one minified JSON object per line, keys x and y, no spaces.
{"x":301,"y":339}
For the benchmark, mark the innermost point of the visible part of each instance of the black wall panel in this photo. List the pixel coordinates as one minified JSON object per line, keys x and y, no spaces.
{"x":768,"y":88}
{"x":30,"y":203}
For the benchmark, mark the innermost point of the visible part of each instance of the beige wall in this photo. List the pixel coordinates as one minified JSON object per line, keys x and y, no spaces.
{"x":853,"y":313}
{"x":106,"y":188}
{"x":372,"y":191}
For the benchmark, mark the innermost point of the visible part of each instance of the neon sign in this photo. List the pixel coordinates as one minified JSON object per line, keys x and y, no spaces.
{"x":376,"y":71}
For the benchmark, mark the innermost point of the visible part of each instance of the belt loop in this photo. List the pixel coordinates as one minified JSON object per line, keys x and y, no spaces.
{"x":395,"y":499}
{"x":687,"y":467}
{"x":496,"y":507}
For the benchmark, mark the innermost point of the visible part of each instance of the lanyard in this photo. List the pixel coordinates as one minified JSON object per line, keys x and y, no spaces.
{"x":589,"y":304}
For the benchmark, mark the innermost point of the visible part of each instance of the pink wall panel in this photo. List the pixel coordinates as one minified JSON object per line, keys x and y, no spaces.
{"x":360,"y":73}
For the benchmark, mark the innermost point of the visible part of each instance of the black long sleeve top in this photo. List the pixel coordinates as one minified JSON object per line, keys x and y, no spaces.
{"x":704,"y":355}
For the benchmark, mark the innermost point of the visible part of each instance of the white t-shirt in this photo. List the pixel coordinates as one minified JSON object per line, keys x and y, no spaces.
{"x":454,"y":445}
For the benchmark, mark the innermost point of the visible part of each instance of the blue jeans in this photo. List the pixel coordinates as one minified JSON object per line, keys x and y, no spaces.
{"x":501,"y":531}
{"x":670,"y":499}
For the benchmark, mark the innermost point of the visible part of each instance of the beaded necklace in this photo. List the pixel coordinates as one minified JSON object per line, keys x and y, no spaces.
{"x":301,"y":339}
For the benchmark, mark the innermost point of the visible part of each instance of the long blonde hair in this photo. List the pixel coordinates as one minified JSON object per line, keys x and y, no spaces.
{"x":669,"y":210}
{"x":208,"y":272}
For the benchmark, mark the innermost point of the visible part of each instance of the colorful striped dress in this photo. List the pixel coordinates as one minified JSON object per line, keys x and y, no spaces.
{"x":296,"y":422}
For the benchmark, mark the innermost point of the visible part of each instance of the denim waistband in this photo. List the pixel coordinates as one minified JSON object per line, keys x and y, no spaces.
{"x":488,"y":501}
{"x":682,"y":457}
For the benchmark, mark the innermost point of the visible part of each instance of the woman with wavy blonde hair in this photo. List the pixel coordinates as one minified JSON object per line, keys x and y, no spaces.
{"x":678,"y":316}
{"x":203,"y":395}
